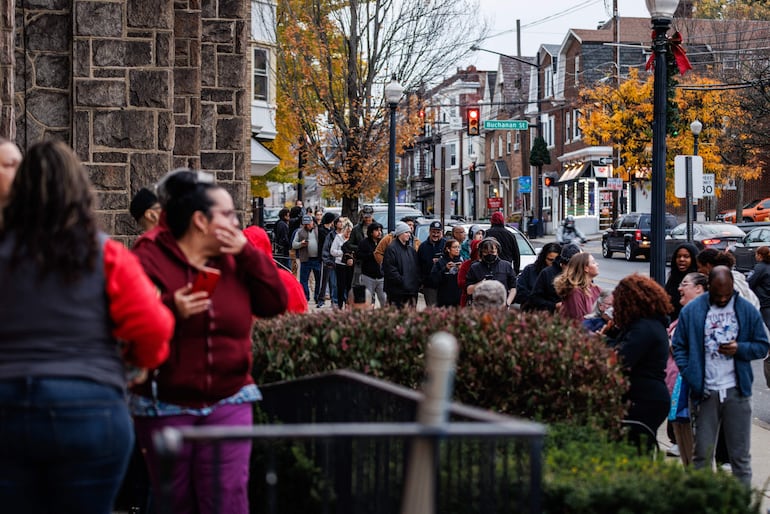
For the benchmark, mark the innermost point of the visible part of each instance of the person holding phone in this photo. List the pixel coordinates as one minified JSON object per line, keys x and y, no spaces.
{"x":444,"y":275}
{"x":207,"y":380}
{"x":428,"y":254}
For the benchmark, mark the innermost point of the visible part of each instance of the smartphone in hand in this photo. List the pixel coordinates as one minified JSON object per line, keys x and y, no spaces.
{"x":206,"y":280}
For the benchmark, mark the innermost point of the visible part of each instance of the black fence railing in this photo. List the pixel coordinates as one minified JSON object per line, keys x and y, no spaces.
{"x":340,"y":443}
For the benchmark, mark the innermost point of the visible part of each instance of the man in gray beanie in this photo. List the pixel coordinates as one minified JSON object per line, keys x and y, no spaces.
{"x":401,"y":269}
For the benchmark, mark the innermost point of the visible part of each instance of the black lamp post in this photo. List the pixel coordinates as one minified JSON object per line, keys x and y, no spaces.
{"x":472,"y":173}
{"x":393,"y":92}
{"x":661,"y":12}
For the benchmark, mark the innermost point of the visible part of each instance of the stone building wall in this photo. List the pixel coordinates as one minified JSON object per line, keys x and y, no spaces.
{"x":137,"y":87}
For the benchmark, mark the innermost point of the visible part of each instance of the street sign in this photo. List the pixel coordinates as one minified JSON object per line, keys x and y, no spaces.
{"x":455,"y":123}
{"x":525,"y":185}
{"x":506,"y":125}
{"x":709,"y":184}
{"x":680,"y":175}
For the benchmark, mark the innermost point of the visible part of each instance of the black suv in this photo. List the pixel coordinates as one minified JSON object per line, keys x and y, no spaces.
{"x":630,"y":234}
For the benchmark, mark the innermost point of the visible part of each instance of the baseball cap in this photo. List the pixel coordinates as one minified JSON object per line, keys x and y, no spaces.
{"x":307,"y":220}
{"x":367,"y":210}
{"x":435,"y":225}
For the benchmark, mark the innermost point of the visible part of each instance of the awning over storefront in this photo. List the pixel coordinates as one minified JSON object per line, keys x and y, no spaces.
{"x":575,"y":173}
{"x":501,"y":167}
{"x":262,"y":159}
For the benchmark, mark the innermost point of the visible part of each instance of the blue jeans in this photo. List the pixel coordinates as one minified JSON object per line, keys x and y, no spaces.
{"x":305,"y":268}
{"x":64,"y":445}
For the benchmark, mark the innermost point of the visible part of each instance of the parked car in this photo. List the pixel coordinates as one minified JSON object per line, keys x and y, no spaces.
{"x":630,"y":234}
{"x":755,"y":210}
{"x":719,"y":236}
{"x":270,"y":219}
{"x":527,"y":252}
{"x":744,"y":250}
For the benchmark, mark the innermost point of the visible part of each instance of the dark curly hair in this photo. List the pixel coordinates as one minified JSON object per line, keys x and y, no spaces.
{"x":636,"y":297}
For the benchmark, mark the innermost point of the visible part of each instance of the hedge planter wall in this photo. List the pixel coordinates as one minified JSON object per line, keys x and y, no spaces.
{"x":530,"y":365}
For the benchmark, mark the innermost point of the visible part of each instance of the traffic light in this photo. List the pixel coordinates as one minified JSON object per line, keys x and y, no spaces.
{"x":549,"y":181}
{"x":421,"y":114}
{"x":474,"y":117}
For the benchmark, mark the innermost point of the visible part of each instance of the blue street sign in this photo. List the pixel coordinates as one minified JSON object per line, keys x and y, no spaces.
{"x":525,"y":184}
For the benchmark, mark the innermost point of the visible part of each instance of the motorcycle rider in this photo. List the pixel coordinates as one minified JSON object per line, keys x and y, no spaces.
{"x":568,"y":232}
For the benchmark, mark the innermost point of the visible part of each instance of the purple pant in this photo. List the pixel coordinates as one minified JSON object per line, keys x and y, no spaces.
{"x":195,"y":475}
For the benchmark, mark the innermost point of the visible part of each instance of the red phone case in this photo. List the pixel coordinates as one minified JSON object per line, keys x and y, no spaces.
{"x":206,"y":280}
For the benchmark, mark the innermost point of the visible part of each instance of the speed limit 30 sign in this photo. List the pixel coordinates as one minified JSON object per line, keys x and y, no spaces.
{"x":708,"y":184}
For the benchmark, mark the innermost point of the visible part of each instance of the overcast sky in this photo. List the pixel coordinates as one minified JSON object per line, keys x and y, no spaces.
{"x":542,"y":21}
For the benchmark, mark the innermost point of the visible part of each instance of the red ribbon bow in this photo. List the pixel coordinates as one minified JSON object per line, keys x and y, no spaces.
{"x":677,"y":50}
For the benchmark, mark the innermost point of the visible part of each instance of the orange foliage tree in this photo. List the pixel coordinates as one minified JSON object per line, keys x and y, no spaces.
{"x":622,"y":117}
{"x":334,"y":59}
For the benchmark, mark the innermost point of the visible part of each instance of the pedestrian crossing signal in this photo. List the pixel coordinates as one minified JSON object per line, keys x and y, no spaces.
{"x":474,"y":117}
{"x":549,"y":180}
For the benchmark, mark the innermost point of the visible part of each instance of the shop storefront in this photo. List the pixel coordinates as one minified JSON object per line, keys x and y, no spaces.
{"x":587,"y":189}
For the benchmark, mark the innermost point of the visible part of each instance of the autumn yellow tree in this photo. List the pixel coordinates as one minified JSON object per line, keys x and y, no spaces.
{"x":622,"y":117}
{"x":334,"y":58}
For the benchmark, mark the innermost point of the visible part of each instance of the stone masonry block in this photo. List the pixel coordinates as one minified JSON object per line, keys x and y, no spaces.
{"x":233,"y":9}
{"x":52,"y":71}
{"x":48,"y":32}
{"x":187,"y":25}
{"x":186,"y":140}
{"x":122,"y":53}
{"x":50,"y":108}
{"x":111,"y":157}
{"x":82,"y":58}
{"x":165,"y":131}
{"x":231,"y":71}
{"x":103,"y":19}
{"x":230,"y":134}
{"x":218,"y":31}
{"x":208,"y":122}
{"x":124,"y":129}
{"x":150,"y":88}
{"x":82,"y":140}
{"x":163,"y":49}
{"x":186,"y":81}
{"x":217,"y":160}
{"x":147,"y":168}
{"x":112,"y":201}
{"x":100,"y":93}
{"x":208,"y":66}
{"x":108,"y":177}
{"x":156,"y":14}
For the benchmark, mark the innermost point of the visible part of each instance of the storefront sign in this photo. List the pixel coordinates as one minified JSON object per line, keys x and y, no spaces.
{"x":601,"y":171}
{"x":495,"y":203}
{"x":615,"y":183}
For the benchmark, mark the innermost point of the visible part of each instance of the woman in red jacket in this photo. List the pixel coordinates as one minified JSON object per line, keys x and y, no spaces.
{"x":207,"y":379}
{"x":68,"y":294}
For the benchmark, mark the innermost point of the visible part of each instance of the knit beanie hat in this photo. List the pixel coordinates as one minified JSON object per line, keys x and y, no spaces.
{"x":497,"y":218}
{"x":143,"y":200}
{"x":567,"y":252}
{"x":402,"y":228}
{"x":328,"y":218}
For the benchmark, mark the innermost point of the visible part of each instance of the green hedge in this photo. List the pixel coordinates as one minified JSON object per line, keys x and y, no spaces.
{"x":530,"y":365}
{"x":586,"y":473}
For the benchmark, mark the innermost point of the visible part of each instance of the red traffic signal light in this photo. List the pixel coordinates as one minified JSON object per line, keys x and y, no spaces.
{"x":549,"y":180}
{"x":473,"y":116}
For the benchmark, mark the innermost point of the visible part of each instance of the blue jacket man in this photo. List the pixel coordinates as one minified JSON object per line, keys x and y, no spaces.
{"x":717,"y":336}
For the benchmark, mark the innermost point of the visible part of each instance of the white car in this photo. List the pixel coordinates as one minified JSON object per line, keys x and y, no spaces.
{"x":527,"y":252}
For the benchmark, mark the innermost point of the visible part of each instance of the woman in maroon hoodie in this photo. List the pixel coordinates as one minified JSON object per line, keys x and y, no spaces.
{"x":206,"y":380}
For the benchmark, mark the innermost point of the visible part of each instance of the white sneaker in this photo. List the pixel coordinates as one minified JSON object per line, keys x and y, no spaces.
{"x":673,"y":451}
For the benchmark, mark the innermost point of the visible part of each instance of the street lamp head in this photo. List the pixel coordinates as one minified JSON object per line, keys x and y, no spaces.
{"x":695,"y":127}
{"x":393,"y":91}
{"x":474,"y":158}
{"x":662,"y":9}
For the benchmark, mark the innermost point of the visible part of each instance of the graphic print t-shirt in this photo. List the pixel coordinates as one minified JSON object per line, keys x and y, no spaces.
{"x":721,"y":327}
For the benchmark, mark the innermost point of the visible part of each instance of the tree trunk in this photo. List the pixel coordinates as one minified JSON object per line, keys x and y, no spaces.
{"x":739,"y":199}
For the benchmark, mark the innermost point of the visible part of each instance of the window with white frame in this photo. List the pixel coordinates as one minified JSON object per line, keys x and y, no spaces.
{"x":549,"y":127}
{"x":517,"y":141}
{"x":471,"y":147}
{"x":452,"y":155}
{"x":499,"y":146}
{"x":508,"y":142}
{"x":491,"y":148}
{"x":548,"y":72}
{"x":260,"y":75}
{"x":577,"y":70}
{"x":576,"y":132}
{"x":567,"y":128}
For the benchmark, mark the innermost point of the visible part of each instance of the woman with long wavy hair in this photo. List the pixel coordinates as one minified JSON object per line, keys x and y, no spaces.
{"x":576,"y":287}
{"x":641,"y":308}
{"x":68,"y":295}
